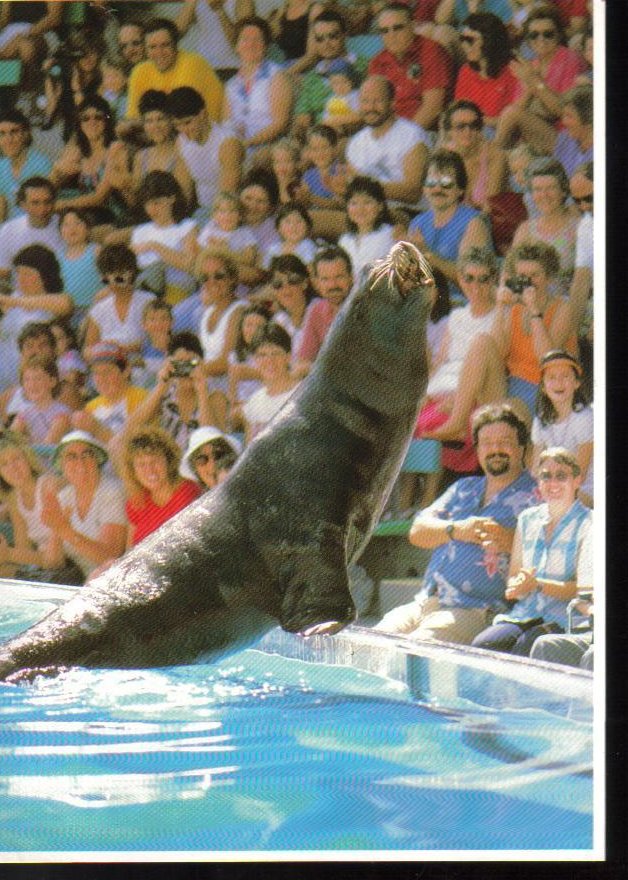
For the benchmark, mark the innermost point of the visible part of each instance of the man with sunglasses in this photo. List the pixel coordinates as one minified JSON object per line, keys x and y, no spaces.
{"x":420,"y":69}
{"x":329,"y":39}
{"x":470,"y":529}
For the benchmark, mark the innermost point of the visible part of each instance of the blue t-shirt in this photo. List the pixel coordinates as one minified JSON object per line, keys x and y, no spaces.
{"x":569,"y":152}
{"x":466,"y":575}
{"x":36,"y":165}
{"x":501,"y":8}
{"x":81,"y":278}
{"x":556,"y":559}
{"x":187,"y":314}
{"x":445,"y":240}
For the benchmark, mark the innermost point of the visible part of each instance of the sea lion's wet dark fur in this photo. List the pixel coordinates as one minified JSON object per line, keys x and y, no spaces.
{"x":273,"y":542}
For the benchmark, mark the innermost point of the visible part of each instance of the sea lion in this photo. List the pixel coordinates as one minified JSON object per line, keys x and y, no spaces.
{"x":272,"y":543}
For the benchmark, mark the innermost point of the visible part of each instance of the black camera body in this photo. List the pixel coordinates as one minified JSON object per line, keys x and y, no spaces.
{"x":518,"y":283}
{"x":181,"y":369}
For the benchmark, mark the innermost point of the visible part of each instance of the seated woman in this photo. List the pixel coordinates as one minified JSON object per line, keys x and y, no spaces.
{"x":555,"y":223}
{"x":209,"y":457}
{"x":285,"y":161}
{"x":485,"y":163}
{"x":161,"y":154}
{"x":38,"y":296}
{"x":544,"y":80}
{"x":544,"y":560}
{"x":155,"y":491}
{"x":165,"y":245}
{"x":86,"y":517}
{"x":93,"y":165}
{"x":24,"y":486}
{"x":272,"y":355}
{"x":243,"y":372}
{"x":486,"y":78}
{"x":564,"y":417}
{"x":294,"y":226}
{"x":371,"y":233}
{"x":258,"y":99}
{"x":292,"y":292}
{"x":180,"y":401}
{"x":45,"y":419}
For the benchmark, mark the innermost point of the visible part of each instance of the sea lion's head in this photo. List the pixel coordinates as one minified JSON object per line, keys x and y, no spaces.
{"x":406,"y":268}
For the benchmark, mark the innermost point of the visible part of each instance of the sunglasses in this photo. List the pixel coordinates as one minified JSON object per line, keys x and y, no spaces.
{"x":322,"y":38}
{"x":444,"y":182}
{"x":476,"y":125}
{"x":292,"y":278}
{"x":561,"y":476}
{"x":469,"y":38}
{"x":481,"y":279}
{"x":202,"y":459}
{"x":586,"y":199}
{"x":125,"y":278}
{"x":546,"y":35}
{"x":215,"y":276}
{"x":91,"y":117}
{"x":394,"y":28}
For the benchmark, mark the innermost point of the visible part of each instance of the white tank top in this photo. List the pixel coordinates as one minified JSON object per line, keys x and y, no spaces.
{"x":213,"y":342}
{"x":37,"y":532}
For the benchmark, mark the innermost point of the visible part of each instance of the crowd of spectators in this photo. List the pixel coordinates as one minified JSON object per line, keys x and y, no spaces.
{"x":188,"y":193}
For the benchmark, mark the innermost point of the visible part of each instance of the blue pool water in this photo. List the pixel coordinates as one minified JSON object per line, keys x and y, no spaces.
{"x":265,"y":753}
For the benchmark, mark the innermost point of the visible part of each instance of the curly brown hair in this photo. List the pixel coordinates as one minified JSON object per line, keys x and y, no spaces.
{"x":155,"y":441}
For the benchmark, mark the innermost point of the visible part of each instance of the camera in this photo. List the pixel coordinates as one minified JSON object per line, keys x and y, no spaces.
{"x":518,"y":283}
{"x":181,"y":369}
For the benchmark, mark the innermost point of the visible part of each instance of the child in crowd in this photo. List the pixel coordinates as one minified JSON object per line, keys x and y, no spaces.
{"x":81,"y":278}
{"x":294,"y":226}
{"x":243,"y":373}
{"x":370,"y":235}
{"x":564,"y":417}
{"x":519,"y":159}
{"x":342,"y":107}
{"x":157,"y":324}
{"x":321,"y":153}
{"x":45,"y":419}
{"x":225,"y":233}
{"x":72,"y":380}
{"x":285,"y":158}
{"x":272,"y":356}
{"x":113,"y":84}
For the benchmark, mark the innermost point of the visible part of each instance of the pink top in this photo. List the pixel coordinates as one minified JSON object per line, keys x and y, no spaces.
{"x":564,"y":67}
{"x":318,"y":319}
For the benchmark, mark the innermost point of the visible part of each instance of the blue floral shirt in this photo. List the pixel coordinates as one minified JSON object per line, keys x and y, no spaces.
{"x":466,"y":575}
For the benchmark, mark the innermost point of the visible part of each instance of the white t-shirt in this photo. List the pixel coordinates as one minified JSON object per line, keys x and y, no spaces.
{"x":203,"y":163}
{"x":18,"y":233}
{"x":260,"y":408}
{"x":364,"y":249}
{"x":236,"y":239}
{"x":463,"y":328}
{"x":584,"y":243}
{"x":170,"y":236}
{"x":573,"y":432}
{"x":107,"y":508}
{"x":127,"y":332}
{"x":382,"y":157}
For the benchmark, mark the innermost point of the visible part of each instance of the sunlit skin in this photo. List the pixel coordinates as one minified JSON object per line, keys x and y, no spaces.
{"x":290,"y":296}
{"x":257,"y":206}
{"x":273,"y":364}
{"x":62,"y":340}
{"x":363,"y":210}
{"x":13,"y":141}
{"x":37,"y":346}
{"x":499,"y":452}
{"x":293,"y":228}
{"x":376,"y":107}
{"x":151,"y":472}
{"x":161,"y":50}
{"x":397,"y":32}
{"x":560,"y":384}
{"x":473,"y":46}
{"x":547,"y":194}
{"x":204,"y":465}
{"x":544,"y":47}
{"x":251,"y":323}
{"x":38,"y":385}
{"x":158,"y":126}
{"x":441,"y":198}
{"x":110,"y":380}
{"x":582,"y":193}
{"x":215,"y":289}
{"x":39,"y":206}
{"x":157,"y":324}
{"x":478,"y":285}
{"x":463,"y":137}
{"x":227,"y":215}
{"x":79,"y":465}
{"x":196,"y":128}
{"x":251,"y":47}
{"x":28,"y":281}
{"x":333,"y":281}
{"x":328,"y":39}
{"x":131,"y":43}
{"x":159,"y":210}
{"x":320,"y":152}
{"x":74,"y":231}
{"x":15,"y":469}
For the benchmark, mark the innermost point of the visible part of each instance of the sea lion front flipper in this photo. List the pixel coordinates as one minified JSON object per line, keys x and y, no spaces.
{"x":314,"y":584}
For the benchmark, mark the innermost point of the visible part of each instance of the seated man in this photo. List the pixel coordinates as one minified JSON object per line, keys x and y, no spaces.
{"x":167,"y":67}
{"x":37,"y":224}
{"x":470,"y":528}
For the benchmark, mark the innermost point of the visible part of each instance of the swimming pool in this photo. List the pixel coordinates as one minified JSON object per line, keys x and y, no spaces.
{"x":359,"y":745}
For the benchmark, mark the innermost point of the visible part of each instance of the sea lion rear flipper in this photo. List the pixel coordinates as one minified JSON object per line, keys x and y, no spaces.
{"x":315,"y":585}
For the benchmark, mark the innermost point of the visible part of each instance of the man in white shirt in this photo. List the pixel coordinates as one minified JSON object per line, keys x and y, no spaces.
{"x":38,"y":225}
{"x":581,"y":187}
{"x":390,"y":149}
{"x":211,"y":151}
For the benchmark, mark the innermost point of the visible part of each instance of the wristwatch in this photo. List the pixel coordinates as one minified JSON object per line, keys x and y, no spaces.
{"x":449,"y":528}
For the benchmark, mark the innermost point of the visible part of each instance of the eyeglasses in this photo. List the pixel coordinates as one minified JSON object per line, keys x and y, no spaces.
{"x":546,"y":35}
{"x":561,"y":476}
{"x":469,"y":38}
{"x":444,"y":182}
{"x":91,"y":117}
{"x":476,"y":125}
{"x":130,"y":43}
{"x":79,"y":456}
{"x":122,"y":278}
{"x":481,"y":279}
{"x":579,"y":199}
{"x":322,"y":38}
{"x":393,"y":28}
{"x":214,"y":276}
{"x":292,"y":278}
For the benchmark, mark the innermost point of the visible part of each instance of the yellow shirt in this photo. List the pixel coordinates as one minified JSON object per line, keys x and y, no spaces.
{"x":114,"y":415}
{"x":189,"y":69}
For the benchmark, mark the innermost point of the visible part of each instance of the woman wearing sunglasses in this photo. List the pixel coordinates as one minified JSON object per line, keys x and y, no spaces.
{"x":544,"y":561}
{"x":485,"y":163}
{"x":552,"y":71}
{"x":486,"y":78}
{"x":292,"y":292}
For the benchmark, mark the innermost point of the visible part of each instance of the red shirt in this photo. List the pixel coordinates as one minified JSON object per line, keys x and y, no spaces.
{"x":426,"y":65}
{"x":318,"y":319}
{"x":571,"y":9}
{"x":491,"y":95}
{"x":425,"y":10}
{"x":145,"y":516}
